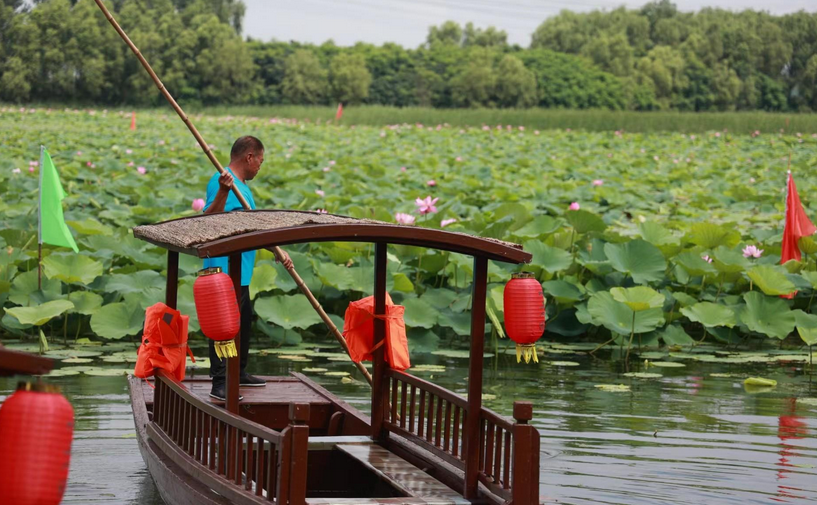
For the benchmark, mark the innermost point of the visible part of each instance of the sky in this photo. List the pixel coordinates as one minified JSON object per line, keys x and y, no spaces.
{"x":406,"y":22}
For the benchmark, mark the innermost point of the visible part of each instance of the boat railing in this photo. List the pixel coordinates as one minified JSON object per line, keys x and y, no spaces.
{"x":243,"y":461}
{"x":434,"y":418}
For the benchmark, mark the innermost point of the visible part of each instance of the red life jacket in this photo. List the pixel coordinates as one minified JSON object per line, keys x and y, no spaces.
{"x":358,"y":329}
{"x":164,"y":343}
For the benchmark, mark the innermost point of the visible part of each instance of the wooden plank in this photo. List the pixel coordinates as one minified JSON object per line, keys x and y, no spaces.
{"x":23,"y":363}
{"x":402,"y":475}
{"x":475,"y":366}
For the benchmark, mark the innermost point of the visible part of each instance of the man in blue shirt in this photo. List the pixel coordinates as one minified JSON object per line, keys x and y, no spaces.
{"x":246,"y":157}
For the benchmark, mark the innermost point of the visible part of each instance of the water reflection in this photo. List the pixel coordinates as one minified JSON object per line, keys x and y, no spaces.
{"x":686,"y":438}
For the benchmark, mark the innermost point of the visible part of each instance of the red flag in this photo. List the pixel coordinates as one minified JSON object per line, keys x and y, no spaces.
{"x":133,"y":120}
{"x":797,"y":224}
{"x":339,"y":113}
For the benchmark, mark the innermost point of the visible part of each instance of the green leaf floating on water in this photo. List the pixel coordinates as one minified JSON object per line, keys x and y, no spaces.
{"x":287,"y":311}
{"x":710,"y":314}
{"x":769,"y":316}
{"x":613,"y":388}
{"x":639,"y":298}
{"x":667,"y":364}
{"x":72,"y":268}
{"x":618,"y":317}
{"x":118,"y":320}
{"x":643,"y":375}
{"x":771,"y":280}
{"x":637,"y":258}
{"x":40,"y":314}
{"x":760,"y":382}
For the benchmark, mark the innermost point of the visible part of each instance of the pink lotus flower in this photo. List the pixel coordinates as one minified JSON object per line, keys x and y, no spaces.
{"x":706,"y":258}
{"x":458,"y":158}
{"x":326,"y":169}
{"x":751,"y":251}
{"x":521,"y":128}
{"x":402,"y":169}
{"x":403,"y":218}
{"x":198,"y":204}
{"x":598,"y":182}
{"x":16,"y":171}
{"x":88,"y":164}
{"x":34,"y":163}
{"x":141,"y":170}
{"x":426,"y":206}
{"x":162,"y":142}
{"x":485,"y":128}
{"x":321,"y":211}
{"x":574,"y":206}
{"x":331,"y":163}
{"x":128,"y":151}
{"x":320,"y":192}
{"x":431,"y":183}
{"x":752,"y":180}
{"x":31,"y":170}
{"x":446,"y":222}
{"x":717,"y":134}
{"x":79,"y":153}
{"x":536,"y":132}
{"x":130,"y":163}
{"x":656,"y":158}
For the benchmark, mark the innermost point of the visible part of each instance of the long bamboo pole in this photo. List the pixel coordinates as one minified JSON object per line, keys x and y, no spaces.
{"x":207,"y":151}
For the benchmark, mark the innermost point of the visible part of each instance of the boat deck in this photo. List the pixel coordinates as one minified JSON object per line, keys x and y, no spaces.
{"x":278,"y":391}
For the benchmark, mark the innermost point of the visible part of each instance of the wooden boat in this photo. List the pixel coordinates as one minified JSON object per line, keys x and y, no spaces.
{"x":293,"y":441}
{"x":23,"y":363}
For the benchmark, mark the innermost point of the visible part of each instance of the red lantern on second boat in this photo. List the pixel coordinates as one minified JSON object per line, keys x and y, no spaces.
{"x":36,"y":427}
{"x":524,"y":314}
{"x":217,"y":310}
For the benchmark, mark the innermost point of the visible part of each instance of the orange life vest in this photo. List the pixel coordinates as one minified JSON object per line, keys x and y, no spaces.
{"x":358,"y":329}
{"x":164,"y":342}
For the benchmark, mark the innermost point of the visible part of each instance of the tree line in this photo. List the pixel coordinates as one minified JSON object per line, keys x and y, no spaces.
{"x":653,"y":58}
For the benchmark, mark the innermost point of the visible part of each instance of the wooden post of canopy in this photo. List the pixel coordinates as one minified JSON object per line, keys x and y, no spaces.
{"x":172,"y":288}
{"x":234,"y":364}
{"x":378,"y":356}
{"x":472,"y":419}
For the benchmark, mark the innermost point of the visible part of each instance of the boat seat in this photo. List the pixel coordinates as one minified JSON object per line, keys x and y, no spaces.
{"x":404,"y":476}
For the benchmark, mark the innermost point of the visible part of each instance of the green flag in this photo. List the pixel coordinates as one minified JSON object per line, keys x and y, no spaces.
{"x":53,"y":229}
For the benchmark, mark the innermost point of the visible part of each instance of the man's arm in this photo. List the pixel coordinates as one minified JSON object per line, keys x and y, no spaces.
{"x":225,"y":184}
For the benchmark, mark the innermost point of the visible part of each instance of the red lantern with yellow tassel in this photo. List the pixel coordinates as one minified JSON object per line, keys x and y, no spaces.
{"x":524,"y":314}
{"x":217,"y":310}
{"x":36,"y":427}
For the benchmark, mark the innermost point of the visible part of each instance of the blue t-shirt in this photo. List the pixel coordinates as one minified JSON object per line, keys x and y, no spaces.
{"x":247,"y":258}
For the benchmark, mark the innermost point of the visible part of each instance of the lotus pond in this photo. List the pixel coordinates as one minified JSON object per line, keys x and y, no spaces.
{"x":690,"y":433}
{"x":631,"y":234}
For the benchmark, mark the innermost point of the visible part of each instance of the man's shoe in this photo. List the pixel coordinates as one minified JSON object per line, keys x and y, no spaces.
{"x":219,"y":392}
{"x":248,"y":380}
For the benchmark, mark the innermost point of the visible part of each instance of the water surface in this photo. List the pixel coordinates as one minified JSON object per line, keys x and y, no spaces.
{"x":684,"y":438}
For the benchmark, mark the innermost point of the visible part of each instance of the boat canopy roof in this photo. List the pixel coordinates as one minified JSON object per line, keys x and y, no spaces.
{"x":221,"y":234}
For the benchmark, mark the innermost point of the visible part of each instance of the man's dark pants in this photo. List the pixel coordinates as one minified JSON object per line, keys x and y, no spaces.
{"x":218,"y":367}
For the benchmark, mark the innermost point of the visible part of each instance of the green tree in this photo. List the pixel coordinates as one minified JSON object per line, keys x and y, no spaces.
{"x":448,"y":33}
{"x":304,"y":79}
{"x":474,"y":85}
{"x":484,"y":37}
{"x":515,"y":85}
{"x":349,"y":78}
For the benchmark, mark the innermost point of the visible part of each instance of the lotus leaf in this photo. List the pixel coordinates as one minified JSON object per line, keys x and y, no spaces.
{"x":118,"y":320}
{"x":584,"y":222}
{"x":263,"y":279}
{"x":675,"y":335}
{"x":806,"y":326}
{"x":40,"y":314}
{"x":337,"y":276}
{"x":639,"y":298}
{"x":710,"y":314}
{"x":439,"y":298}
{"x":422,"y":341}
{"x":760,"y":382}
{"x":694,"y":264}
{"x":684,"y":299}
{"x":807,"y":245}
{"x":618,"y":317}
{"x":71,"y":268}
{"x":666,"y":364}
{"x":90,"y":226}
{"x":564,"y":363}
{"x":540,"y":226}
{"x":419,"y":313}
{"x":402,"y":283}
{"x":613,"y":388}
{"x":287,"y":311}
{"x":637,"y":258}
{"x":143,"y":281}
{"x":811,"y":277}
{"x":85,"y":302}
{"x":562,"y":291}
{"x":548,"y":258}
{"x":771,"y":280}
{"x":656,"y":234}
{"x":24,"y":289}
{"x":643,"y":375}
{"x":729,"y":261}
{"x":769,"y":316}
{"x":710,"y":236}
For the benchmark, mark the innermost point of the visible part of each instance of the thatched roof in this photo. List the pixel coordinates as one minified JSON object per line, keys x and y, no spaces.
{"x":225,"y":233}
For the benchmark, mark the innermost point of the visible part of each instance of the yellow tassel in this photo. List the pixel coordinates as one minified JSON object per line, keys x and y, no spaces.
{"x":226,"y":349}
{"x":527,"y":351}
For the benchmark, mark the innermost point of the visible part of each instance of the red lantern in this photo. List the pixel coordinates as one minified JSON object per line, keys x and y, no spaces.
{"x":524,"y":314}
{"x":217,"y":309}
{"x":36,"y":427}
